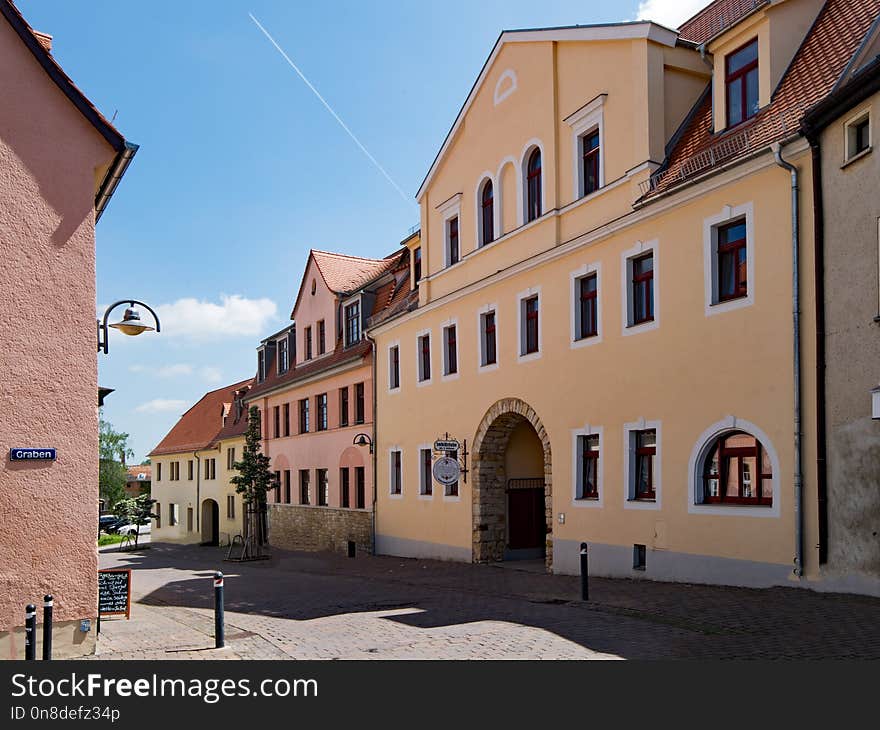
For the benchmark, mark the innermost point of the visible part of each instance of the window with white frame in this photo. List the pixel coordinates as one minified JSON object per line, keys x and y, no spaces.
{"x":450,"y":350}
{"x":729,"y":261}
{"x":453,"y":245}
{"x":450,"y":215}
{"x":352,"y":323}
{"x":533,"y":186}
{"x":396,"y":472}
{"x":394,"y":367}
{"x":640,"y":287}
{"x":586,"y":306}
{"x":426,"y":476}
{"x":588,"y":454}
{"x":488,"y":338}
{"x":587,"y":129}
{"x":642,"y":464}
{"x":486,"y":212}
{"x":529,"y":324}
{"x":423,"y":356}
{"x":858,"y":135}
{"x":283,"y":355}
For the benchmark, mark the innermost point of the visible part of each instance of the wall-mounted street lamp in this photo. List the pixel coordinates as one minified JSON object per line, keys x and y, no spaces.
{"x":363,"y":439}
{"x":130,"y":325}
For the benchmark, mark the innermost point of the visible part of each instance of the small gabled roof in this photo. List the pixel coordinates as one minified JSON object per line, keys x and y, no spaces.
{"x":599,"y":32}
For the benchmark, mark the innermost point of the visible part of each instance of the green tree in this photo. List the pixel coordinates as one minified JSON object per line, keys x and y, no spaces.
{"x":113,"y":449}
{"x":137,"y":510}
{"x":254,"y":480}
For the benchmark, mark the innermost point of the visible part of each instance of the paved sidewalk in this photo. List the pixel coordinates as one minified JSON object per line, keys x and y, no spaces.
{"x":321,"y":606}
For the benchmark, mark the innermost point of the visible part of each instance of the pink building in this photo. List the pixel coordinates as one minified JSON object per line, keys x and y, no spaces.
{"x":60,"y":161}
{"x":314,"y":388}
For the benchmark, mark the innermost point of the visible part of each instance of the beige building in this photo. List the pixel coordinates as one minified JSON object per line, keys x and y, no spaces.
{"x":604,"y":315}
{"x":193,"y":467}
{"x":842,"y":130}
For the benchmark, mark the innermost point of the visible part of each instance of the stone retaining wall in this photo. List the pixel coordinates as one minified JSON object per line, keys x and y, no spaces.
{"x":302,"y":527}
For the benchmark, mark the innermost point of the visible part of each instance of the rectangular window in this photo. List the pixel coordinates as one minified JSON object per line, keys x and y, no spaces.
{"x":394,"y":367}
{"x":640,"y":555}
{"x":530,"y":325}
{"x":426,"y":477}
{"x":858,"y":136}
{"x":588,"y":476}
{"x":230,"y":457}
{"x":158,"y":515}
{"x":741,"y":83}
{"x":283,"y":356}
{"x":189,"y":519}
{"x":359,"y":403}
{"x":303,"y":486}
{"x":308,"y":343}
{"x":590,"y":156}
{"x":452,"y":248}
{"x":173,"y":514}
{"x":645,"y":462}
{"x":360,"y":490}
{"x":189,"y":469}
{"x":588,"y":306}
{"x":451,"y":490}
{"x":286,"y":486}
{"x":417,"y":264}
{"x":424,"y":358}
{"x":304,"y":415}
{"x":732,"y":261}
{"x":396,"y":473}
{"x":230,"y":507}
{"x":321,"y":402}
{"x":323,"y":487}
{"x":344,"y":488}
{"x":450,"y":351}
{"x":642,"y":292}
{"x":489,"y":355}
{"x":343,"y":406}
{"x":276,"y":421}
{"x":159,"y":471}
{"x":287,"y":419}
{"x":261,"y":365}
{"x":352,"y":324}
{"x":322,"y":337}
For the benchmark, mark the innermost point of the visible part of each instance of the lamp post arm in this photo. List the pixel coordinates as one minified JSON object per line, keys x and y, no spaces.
{"x":102,"y":324}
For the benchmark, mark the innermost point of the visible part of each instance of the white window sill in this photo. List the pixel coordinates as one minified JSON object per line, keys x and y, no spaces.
{"x":494,"y":366}
{"x":423,"y":383}
{"x":730,"y":305}
{"x":452,"y":498}
{"x":426,"y":497}
{"x":636,"y":329}
{"x":528,"y":358}
{"x":735,"y":511}
{"x":586,"y":341}
{"x":642,"y":504}
{"x":396,"y":496}
{"x":855,"y":158}
{"x":451,"y":376}
{"x":587,"y":503}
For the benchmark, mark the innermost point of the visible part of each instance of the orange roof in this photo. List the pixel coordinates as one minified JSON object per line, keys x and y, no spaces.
{"x":715,"y":17}
{"x":834,"y":39}
{"x":132,"y":472}
{"x":343,"y":273}
{"x":202,"y":425}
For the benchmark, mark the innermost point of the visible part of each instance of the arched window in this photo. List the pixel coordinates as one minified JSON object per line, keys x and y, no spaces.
{"x":737,"y":470}
{"x":533,"y":186}
{"x":487,"y":213}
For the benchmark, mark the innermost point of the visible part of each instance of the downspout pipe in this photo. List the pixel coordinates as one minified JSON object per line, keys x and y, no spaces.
{"x":198,"y":495}
{"x":373,"y":448}
{"x":796,"y":321}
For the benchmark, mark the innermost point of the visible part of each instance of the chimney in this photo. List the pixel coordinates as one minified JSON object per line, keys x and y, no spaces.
{"x":45,"y":40}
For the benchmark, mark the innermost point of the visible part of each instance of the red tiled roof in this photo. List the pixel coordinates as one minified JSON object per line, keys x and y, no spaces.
{"x":133,"y":471}
{"x":818,"y":64}
{"x":201,"y":425}
{"x":715,"y":17}
{"x":343,"y":273}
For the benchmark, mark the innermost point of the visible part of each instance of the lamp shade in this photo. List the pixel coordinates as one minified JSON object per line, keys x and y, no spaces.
{"x":131,"y":323}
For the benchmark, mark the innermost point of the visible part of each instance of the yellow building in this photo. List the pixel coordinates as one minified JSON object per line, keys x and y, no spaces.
{"x":192,"y":471}
{"x":605,"y":302}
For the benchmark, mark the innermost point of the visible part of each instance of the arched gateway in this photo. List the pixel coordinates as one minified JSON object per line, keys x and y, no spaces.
{"x":512,"y":485}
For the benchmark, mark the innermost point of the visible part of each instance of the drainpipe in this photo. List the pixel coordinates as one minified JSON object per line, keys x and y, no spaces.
{"x":198,"y":484}
{"x":795,"y":273}
{"x":375,"y":446}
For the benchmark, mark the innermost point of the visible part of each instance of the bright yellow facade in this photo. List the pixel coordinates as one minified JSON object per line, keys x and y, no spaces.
{"x":701,"y":369}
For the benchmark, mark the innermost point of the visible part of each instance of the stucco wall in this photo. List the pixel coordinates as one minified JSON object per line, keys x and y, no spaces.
{"x":852,"y":210}
{"x":48,"y":157}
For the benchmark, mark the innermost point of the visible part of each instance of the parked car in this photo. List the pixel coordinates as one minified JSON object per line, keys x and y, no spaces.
{"x":110,"y":523}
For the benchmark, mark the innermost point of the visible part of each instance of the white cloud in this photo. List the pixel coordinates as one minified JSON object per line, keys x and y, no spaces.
{"x":211,"y":375}
{"x":162,"y":405}
{"x":671,"y":13}
{"x":172,"y":371}
{"x":208,"y":374}
{"x":234,"y":316}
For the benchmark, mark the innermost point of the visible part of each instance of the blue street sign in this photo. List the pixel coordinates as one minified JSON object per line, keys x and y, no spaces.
{"x":32,"y":454}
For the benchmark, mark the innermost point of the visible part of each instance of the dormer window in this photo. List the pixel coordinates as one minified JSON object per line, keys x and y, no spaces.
{"x":417,"y":265}
{"x":741,"y":83}
{"x":283,"y":356}
{"x":261,"y":365}
{"x":352,"y":324}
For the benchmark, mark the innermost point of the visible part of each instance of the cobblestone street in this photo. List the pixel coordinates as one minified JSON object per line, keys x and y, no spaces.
{"x":321,"y":606}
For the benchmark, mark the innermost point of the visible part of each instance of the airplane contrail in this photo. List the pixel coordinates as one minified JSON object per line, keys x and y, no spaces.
{"x":342,"y":124}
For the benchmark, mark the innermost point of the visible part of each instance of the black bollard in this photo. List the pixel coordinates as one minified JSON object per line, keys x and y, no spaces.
{"x":219,"y":634}
{"x":47,"y":626}
{"x":585,"y":574}
{"x":30,"y":632}
{"x":352,"y":547}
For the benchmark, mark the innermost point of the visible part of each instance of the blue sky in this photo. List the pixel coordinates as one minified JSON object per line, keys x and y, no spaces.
{"x":241,"y":170}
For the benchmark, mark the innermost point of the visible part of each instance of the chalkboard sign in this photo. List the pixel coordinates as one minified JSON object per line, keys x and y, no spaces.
{"x":114,"y":592}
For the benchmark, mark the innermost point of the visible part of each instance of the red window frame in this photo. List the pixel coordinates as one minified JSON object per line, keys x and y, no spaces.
{"x":736,"y":456}
{"x":643,"y":281}
{"x":487,"y":204}
{"x":427,"y":472}
{"x":589,"y":304}
{"x":452,"y":226}
{"x":741,"y":73}
{"x":649,"y":494}
{"x":589,"y":466}
{"x":731,"y":248}
{"x":533,"y":186}
{"x":590,"y":156}
{"x":451,"y":351}
{"x":491,"y":354}
{"x":425,"y":356}
{"x":531,"y":324}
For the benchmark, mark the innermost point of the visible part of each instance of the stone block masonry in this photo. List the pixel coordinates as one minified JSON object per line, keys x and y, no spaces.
{"x":302,"y":527}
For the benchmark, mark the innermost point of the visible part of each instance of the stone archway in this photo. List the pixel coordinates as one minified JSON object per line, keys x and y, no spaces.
{"x":489,"y":478}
